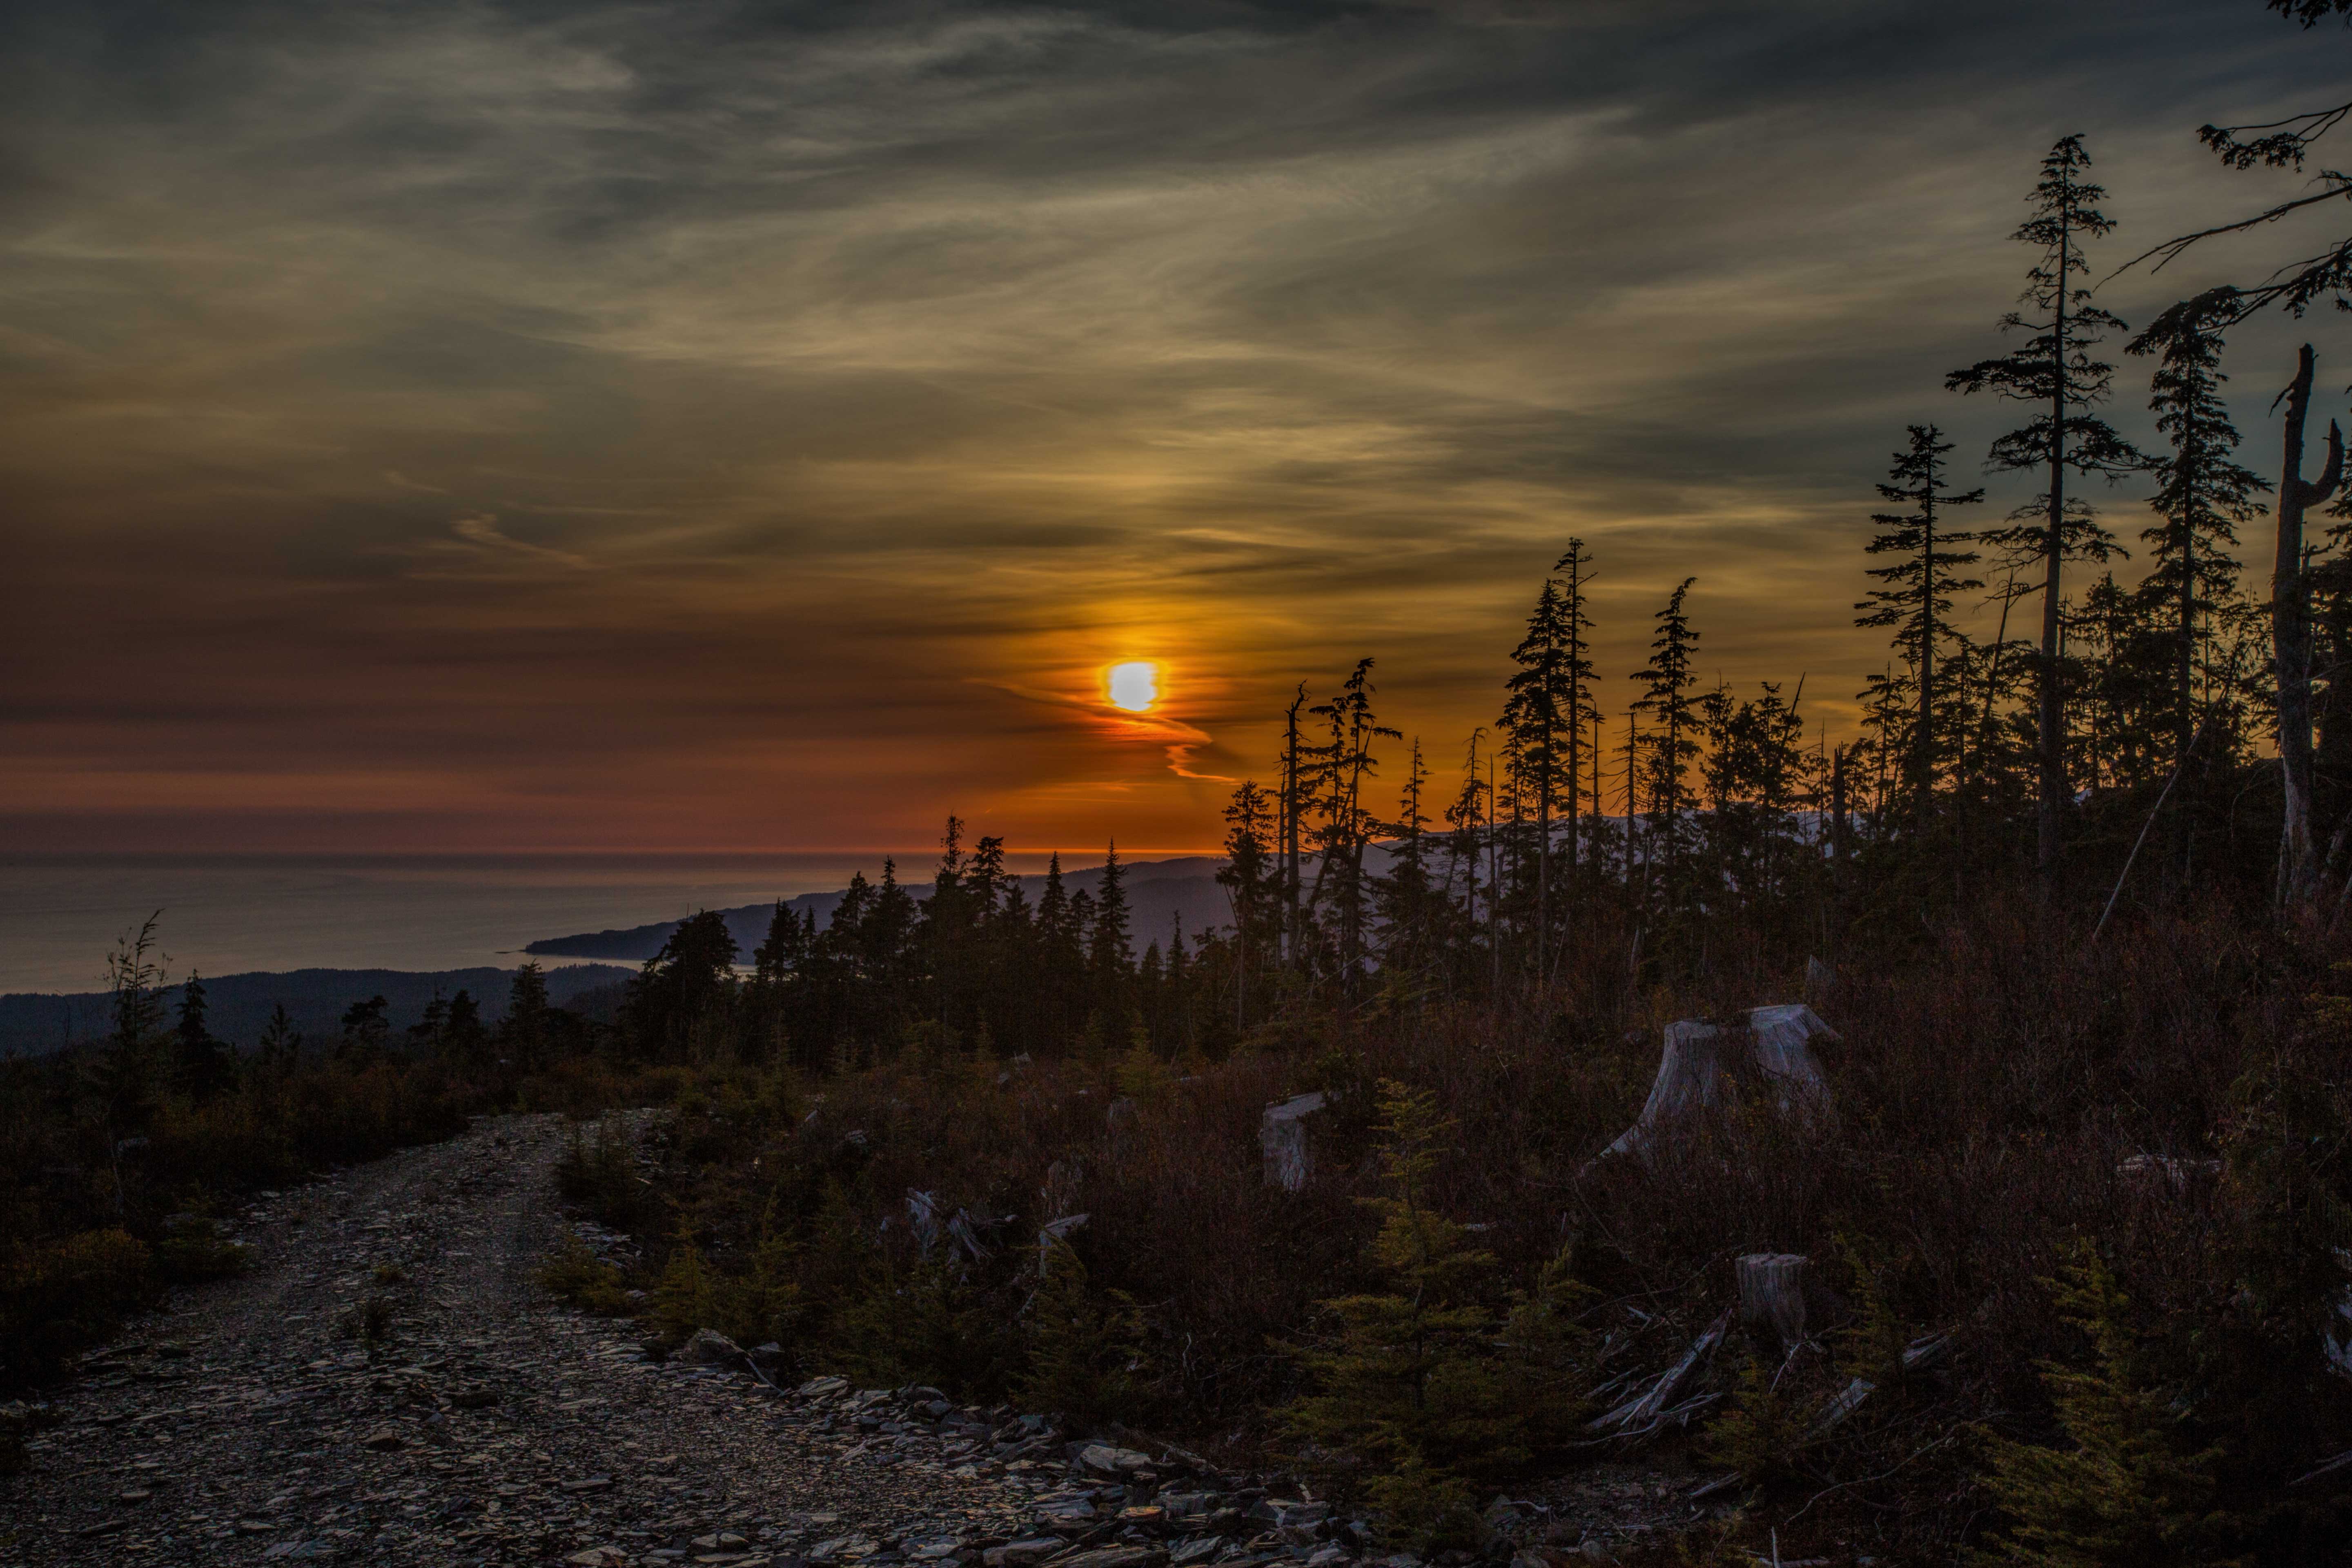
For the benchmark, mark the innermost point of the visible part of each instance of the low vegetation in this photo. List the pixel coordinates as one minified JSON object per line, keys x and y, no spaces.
{"x":2105,"y":1183}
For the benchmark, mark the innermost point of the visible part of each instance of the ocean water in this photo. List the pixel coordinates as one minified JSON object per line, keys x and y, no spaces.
{"x":60,"y":915}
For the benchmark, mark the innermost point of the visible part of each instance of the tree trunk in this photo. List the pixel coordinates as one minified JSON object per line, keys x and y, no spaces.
{"x":2298,"y":888}
{"x":1924,"y":743}
{"x":2050,"y":725}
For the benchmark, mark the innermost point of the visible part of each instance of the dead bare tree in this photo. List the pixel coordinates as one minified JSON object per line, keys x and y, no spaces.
{"x":2298,"y":878}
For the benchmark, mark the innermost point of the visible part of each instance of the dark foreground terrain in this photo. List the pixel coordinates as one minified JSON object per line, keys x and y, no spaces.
{"x":465,"y":1419}
{"x":251,"y":1424}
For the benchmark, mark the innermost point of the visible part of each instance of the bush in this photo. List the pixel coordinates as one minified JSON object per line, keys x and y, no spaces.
{"x":1085,"y":1357}
{"x":193,"y":1250}
{"x":2128,"y":1493}
{"x":59,"y":1298}
{"x":598,"y":1173}
{"x":1411,"y":1387}
{"x":1757,"y":1438}
{"x":577,"y":1276}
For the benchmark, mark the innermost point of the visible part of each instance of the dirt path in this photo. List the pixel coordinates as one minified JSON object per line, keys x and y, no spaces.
{"x":245,"y":1424}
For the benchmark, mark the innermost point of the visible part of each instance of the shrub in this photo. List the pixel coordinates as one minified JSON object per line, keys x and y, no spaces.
{"x":1757,"y":1438}
{"x":1409,"y":1386}
{"x":599,"y":1174}
{"x":684,"y":1300}
{"x":193,"y":1250}
{"x":575,"y":1275}
{"x":1085,"y":1357}
{"x":2127,"y":1493}
{"x":59,"y":1298}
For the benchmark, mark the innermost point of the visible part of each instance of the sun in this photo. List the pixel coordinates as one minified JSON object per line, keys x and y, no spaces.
{"x":1134,"y":687}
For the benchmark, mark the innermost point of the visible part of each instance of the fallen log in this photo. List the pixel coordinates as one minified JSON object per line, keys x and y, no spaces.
{"x":1640,"y":1413}
{"x":1918,"y":1356}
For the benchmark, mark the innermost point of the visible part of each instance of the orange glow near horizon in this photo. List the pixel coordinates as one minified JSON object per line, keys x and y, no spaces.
{"x":1134,"y":686}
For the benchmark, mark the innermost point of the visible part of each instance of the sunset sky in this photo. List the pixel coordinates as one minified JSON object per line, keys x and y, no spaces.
{"x":506,"y":426}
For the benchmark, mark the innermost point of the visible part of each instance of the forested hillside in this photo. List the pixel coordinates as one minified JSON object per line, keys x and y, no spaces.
{"x":238,"y":1007}
{"x":1163,"y":893}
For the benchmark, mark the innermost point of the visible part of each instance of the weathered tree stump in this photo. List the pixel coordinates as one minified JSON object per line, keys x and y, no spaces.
{"x":1700,"y":1061}
{"x":1782,"y":1292}
{"x":1772,"y":1295}
{"x":1282,"y":1135}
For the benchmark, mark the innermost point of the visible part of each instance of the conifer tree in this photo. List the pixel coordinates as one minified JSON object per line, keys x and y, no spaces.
{"x":463,"y":1038}
{"x":2201,"y":493}
{"x":1085,"y":1359}
{"x":523,"y":1032}
{"x":1405,"y":899}
{"x":280,"y":1045}
{"x":201,"y":1064}
{"x":1291,"y":799}
{"x":427,"y":1034}
{"x":783,"y":950}
{"x":1061,"y":957}
{"x":1576,"y":567}
{"x":2128,"y":1493}
{"x":1465,"y":841}
{"x":1109,"y":955}
{"x":366,"y":1033}
{"x":984,"y":879}
{"x":1752,"y":771}
{"x":885,"y":938}
{"x":2053,"y":368}
{"x":679,"y":1002}
{"x":126,"y":1072}
{"x":1342,"y":765}
{"x":1247,"y":877}
{"x":1916,"y":601}
{"x":1544,"y":719}
{"x":1668,"y":753}
{"x":1410,"y":1382}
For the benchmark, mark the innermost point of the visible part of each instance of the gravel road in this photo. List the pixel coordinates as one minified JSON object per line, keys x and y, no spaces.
{"x":244,"y":1424}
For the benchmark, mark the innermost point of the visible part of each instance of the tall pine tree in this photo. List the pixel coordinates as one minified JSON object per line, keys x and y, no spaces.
{"x":1247,"y":876}
{"x":1544,"y":721}
{"x":1916,"y":601}
{"x":2053,"y":368}
{"x":1109,"y":950}
{"x":201,"y":1064}
{"x":2201,"y":493}
{"x":1668,"y":750}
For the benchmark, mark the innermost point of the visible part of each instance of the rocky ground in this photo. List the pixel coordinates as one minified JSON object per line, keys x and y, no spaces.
{"x":387,"y":1384}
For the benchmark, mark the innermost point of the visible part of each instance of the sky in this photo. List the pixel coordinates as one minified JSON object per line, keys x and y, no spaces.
{"x":498,"y":428}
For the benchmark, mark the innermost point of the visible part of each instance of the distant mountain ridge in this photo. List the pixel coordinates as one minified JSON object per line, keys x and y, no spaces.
{"x":238,"y":1006}
{"x":1159,"y":892}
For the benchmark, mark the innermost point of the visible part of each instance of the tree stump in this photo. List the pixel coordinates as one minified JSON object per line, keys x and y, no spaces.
{"x":1783,"y":1045}
{"x":1700,"y":1061}
{"x":1772,"y":1295}
{"x":1282,"y":1135}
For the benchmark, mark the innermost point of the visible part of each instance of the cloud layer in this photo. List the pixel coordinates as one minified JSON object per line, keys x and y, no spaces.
{"x":706,"y":425}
